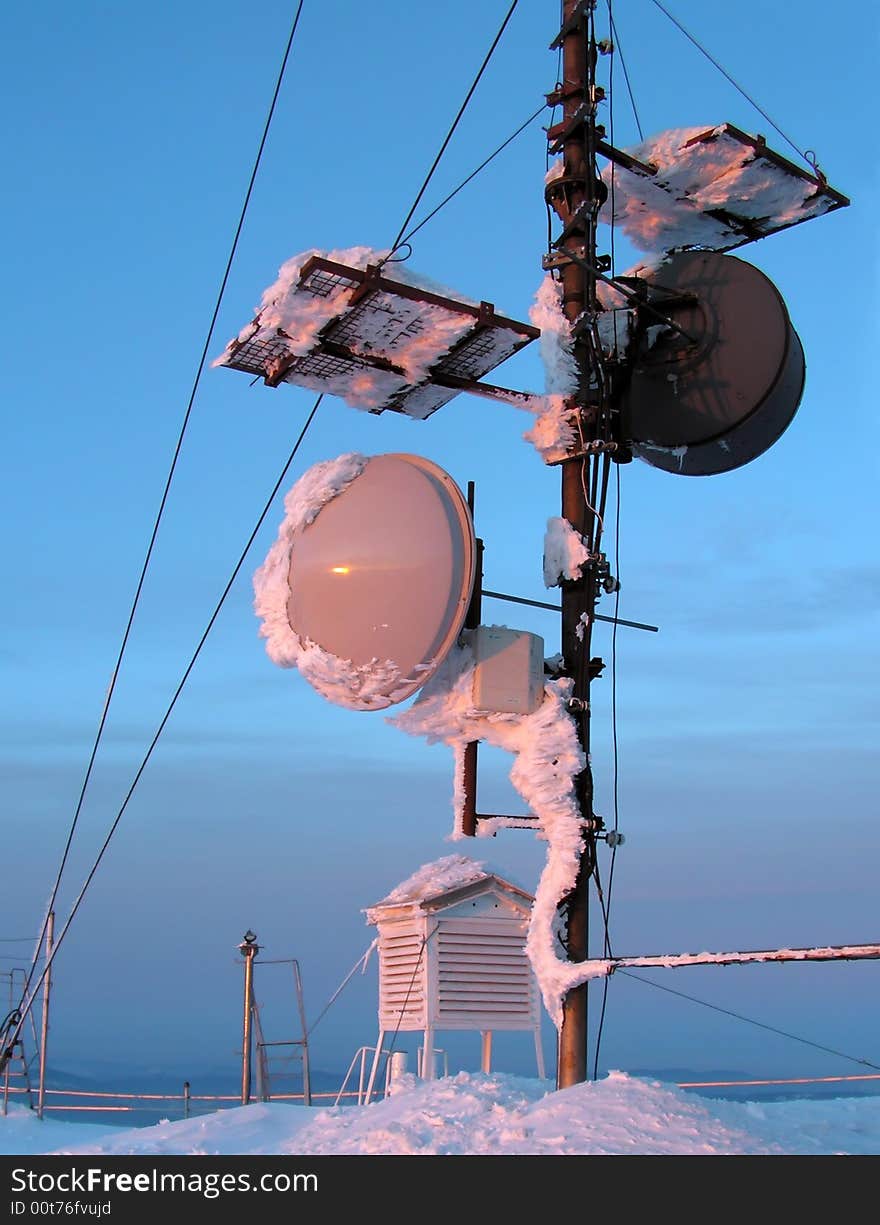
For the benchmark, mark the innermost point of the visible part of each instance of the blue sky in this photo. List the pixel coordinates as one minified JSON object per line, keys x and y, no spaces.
{"x":747,"y":727}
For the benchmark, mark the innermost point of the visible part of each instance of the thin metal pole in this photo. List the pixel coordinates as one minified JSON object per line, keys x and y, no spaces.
{"x":263,"y":1086}
{"x":469,"y":764}
{"x":5,"y":1066}
{"x":300,"y":1003}
{"x":187,"y":1098}
{"x":518,"y":599}
{"x":248,"y":949}
{"x":44,"y":1024}
{"x":486,"y":1051}
{"x":578,"y":596}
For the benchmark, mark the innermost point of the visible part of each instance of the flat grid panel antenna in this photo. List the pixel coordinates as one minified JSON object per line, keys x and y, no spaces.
{"x":381,"y":344}
{"x":715,"y":189}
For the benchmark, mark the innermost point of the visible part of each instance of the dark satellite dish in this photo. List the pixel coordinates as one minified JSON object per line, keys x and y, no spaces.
{"x":719,"y":396}
{"x":381,"y":580}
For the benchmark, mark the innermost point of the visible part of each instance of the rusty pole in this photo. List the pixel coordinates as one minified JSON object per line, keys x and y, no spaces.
{"x":248,"y":949}
{"x":579,"y":596}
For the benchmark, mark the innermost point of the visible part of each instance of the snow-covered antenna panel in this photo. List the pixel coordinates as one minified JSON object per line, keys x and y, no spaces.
{"x":377,"y":343}
{"x":368,"y":585}
{"x":714,"y":188}
{"x":719,"y":389}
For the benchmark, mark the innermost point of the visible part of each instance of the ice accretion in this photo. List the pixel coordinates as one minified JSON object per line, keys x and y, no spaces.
{"x":555,"y":170}
{"x":670,"y":210}
{"x":301,"y":315}
{"x":430,"y":880}
{"x":565,"y":552}
{"x":553,"y":435}
{"x":338,"y":680}
{"x":547,"y":758}
{"x":557,"y":352}
{"x":676,"y":452}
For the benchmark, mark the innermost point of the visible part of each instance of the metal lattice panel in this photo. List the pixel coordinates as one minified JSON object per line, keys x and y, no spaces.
{"x":478,"y":354}
{"x":322,"y":366}
{"x":377,"y":343}
{"x":716,"y":191}
{"x":422,"y":401}
{"x":377,"y":322}
{"x":322,"y":283}
{"x":259,"y":354}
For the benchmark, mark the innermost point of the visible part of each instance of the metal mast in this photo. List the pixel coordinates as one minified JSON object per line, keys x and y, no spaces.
{"x":577,"y":197}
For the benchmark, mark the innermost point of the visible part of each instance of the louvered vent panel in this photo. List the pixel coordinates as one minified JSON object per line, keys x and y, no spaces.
{"x":402,"y":979}
{"x":484,"y":979}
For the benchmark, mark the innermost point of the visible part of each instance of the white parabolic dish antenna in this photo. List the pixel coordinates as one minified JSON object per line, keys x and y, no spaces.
{"x":381,"y":580}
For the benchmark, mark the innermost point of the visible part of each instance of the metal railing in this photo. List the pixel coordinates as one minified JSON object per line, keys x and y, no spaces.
{"x":123,"y":1103}
{"x":360,"y":1061}
{"x":98,"y":1101}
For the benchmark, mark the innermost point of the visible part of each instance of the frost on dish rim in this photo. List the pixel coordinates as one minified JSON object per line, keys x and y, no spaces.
{"x":338,"y":680}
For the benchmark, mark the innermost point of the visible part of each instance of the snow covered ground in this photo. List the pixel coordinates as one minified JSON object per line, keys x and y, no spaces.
{"x":473,"y":1113}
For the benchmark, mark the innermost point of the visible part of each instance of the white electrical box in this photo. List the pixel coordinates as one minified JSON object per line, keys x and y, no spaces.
{"x":509,"y":671}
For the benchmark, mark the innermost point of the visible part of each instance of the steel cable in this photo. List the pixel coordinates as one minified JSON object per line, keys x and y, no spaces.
{"x":28,"y":999}
{"x":470,"y":93}
{"x":163,"y":500}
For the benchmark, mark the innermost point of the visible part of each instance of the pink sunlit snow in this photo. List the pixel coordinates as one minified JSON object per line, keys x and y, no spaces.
{"x":492,"y":1114}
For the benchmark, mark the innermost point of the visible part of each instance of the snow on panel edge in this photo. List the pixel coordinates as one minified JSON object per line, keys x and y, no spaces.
{"x":671,"y":210}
